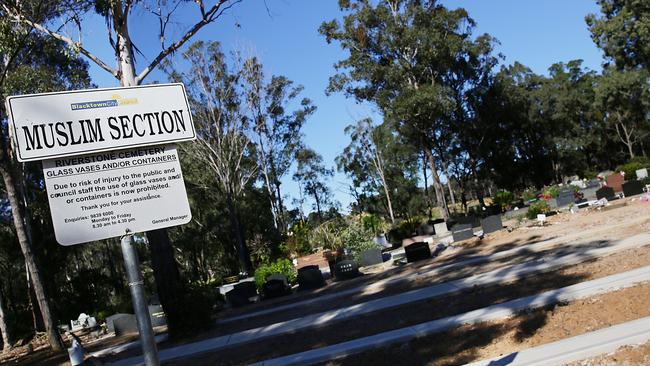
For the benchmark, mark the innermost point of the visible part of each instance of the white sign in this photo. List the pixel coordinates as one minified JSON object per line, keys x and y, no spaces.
{"x":100,"y":196}
{"x":54,"y":125}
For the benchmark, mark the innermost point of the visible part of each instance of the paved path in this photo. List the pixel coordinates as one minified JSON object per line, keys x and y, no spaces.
{"x":577,"y":348}
{"x":427,"y":271}
{"x":494,"y":312}
{"x":500,"y":275}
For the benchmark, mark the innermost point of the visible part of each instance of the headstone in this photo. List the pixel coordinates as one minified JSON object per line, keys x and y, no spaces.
{"x":125,"y":324}
{"x":241,"y":294}
{"x":310,"y":277}
{"x":436,"y":221}
{"x":552,"y":203}
{"x":565,"y":197}
{"x":346,"y":269}
{"x":594,"y":183}
{"x":276,"y":285}
{"x":371,"y":257}
{"x":578,"y":183}
{"x":440,"y":228}
{"x":615,"y":181}
{"x":632,"y":188}
{"x":605,"y":192}
{"x":417,"y":251}
{"x":111,"y":319}
{"x":642,"y":174}
{"x":83,"y":321}
{"x":491,"y":224}
{"x":462,"y":232}
{"x":157,"y":315}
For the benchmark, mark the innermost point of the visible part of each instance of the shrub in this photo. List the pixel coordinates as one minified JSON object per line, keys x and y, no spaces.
{"x":358,"y":239}
{"x":529,"y":194}
{"x":371,"y":223}
{"x":328,"y":234}
{"x":537,"y":208}
{"x":632,"y":166}
{"x":281,"y":266}
{"x":503,"y":199}
{"x":551,"y":192}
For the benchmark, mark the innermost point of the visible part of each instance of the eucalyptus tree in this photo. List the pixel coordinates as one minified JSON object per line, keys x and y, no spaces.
{"x":415,"y":60}
{"x":70,"y":17}
{"x":311,"y":174}
{"x":31,"y":63}
{"x":277,"y":128}
{"x":223,"y":129}
{"x":622,"y":31}
{"x":624,"y":98}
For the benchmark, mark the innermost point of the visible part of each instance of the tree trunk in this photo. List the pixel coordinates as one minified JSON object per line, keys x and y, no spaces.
{"x":427,"y":196}
{"x":437,"y":186}
{"x":171,"y":290}
{"x":451,"y":191}
{"x":320,"y":215}
{"x":30,"y":260}
{"x":7,"y":340}
{"x":237,"y":230}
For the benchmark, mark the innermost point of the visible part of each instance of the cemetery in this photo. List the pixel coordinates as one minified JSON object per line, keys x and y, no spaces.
{"x":232,"y":182}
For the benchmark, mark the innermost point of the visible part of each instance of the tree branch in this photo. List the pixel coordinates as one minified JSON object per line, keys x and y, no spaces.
{"x":208,"y":17}
{"x":75,"y":45}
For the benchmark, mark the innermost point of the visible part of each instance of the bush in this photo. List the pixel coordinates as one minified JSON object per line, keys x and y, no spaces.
{"x":358,"y":239}
{"x":632,"y":166}
{"x":371,"y":223}
{"x":281,"y":266}
{"x":328,"y":234}
{"x":503,"y":199}
{"x":551,"y":192}
{"x":537,"y":208}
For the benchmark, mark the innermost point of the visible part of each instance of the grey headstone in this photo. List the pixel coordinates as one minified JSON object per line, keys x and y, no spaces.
{"x":641,"y":174}
{"x":462,"y":232}
{"x":440,"y":228}
{"x":125,"y":324}
{"x":564,"y":198}
{"x":111,"y":319}
{"x":632,"y":188}
{"x":371,"y":257}
{"x":417,"y":252}
{"x":491,"y":224}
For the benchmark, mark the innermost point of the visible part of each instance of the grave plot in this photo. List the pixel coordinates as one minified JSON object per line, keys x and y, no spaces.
{"x":413,"y":314}
{"x":471,"y":343}
{"x":565,"y":229}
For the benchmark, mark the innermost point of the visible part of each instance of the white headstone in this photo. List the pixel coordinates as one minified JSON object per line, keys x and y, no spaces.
{"x":642,"y":173}
{"x":578,"y":183}
{"x":440,"y":228}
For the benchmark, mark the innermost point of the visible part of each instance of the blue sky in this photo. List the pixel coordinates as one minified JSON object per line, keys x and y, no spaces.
{"x":285,"y":38}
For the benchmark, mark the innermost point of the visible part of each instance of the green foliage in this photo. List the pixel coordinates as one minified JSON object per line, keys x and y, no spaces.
{"x":372,"y":223}
{"x":632,"y":166}
{"x":281,"y":266}
{"x":503,"y":199}
{"x":358,"y":239}
{"x":529,"y":194}
{"x":540,"y":207}
{"x":299,"y":238}
{"x":552,"y":191}
{"x":328,"y":234}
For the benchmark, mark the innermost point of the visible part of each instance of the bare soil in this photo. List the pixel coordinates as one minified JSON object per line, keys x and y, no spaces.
{"x":529,"y":329}
{"x":416,"y":313}
{"x":638,"y":355}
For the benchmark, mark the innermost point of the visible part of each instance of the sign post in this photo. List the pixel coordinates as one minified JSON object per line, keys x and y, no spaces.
{"x":111,"y":168}
{"x":136,"y":285}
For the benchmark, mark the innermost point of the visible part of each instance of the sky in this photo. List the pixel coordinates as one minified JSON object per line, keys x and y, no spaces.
{"x":283,"y":34}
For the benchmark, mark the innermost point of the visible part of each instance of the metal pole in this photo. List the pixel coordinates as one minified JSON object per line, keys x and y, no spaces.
{"x":136,"y":285}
